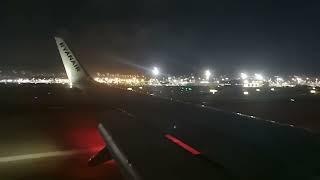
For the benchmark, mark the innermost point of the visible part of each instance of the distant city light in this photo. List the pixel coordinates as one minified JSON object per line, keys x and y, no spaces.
{"x":35,"y":81}
{"x":154,"y":79}
{"x":155,"y":71}
{"x":258,"y":77}
{"x":243,"y":76}
{"x":207,"y":74}
{"x":246,"y":93}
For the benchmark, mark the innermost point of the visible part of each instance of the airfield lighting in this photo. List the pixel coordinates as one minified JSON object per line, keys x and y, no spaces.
{"x":312,"y":91}
{"x":213,"y":91}
{"x":207,"y":74}
{"x":299,"y":80}
{"x":246,"y":93}
{"x":258,"y":77}
{"x":155,"y":71}
{"x":243,"y":76}
{"x":279,"y":79}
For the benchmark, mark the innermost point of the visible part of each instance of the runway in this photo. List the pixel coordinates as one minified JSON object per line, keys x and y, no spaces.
{"x":49,"y":132}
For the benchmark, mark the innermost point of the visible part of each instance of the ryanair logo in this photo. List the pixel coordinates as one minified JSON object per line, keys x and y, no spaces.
{"x":70,"y":56}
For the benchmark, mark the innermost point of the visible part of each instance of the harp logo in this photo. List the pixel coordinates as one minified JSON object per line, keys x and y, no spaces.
{"x":70,"y":56}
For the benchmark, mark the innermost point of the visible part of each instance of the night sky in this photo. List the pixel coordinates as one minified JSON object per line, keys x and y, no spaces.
{"x":226,"y":36}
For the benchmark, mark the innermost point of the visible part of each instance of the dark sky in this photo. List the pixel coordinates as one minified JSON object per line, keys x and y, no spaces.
{"x":179,"y":36}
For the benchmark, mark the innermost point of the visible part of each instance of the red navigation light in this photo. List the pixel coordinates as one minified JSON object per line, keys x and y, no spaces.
{"x":182,"y":144}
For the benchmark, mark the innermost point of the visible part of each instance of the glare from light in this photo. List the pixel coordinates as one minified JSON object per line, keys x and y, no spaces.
{"x":258,"y":77}
{"x":272,"y":89}
{"x":246,"y":93}
{"x":207,"y":74}
{"x":204,"y":82}
{"x":312,"y":91}
{"x":129,"y":89}
{"x":299,"y":80}
{"x":279,"y":79}
{"x":155,"y":71}
{"x":243,"y":75}
{"x":213,"y":91}
{"x":258,"y":90}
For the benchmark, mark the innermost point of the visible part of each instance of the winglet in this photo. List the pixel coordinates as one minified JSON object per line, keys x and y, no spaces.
{"x":77,"y":75}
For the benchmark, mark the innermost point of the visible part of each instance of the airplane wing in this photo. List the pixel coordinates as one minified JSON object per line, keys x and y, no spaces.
{"x":156,"y":138}
{"x":144,"y":152}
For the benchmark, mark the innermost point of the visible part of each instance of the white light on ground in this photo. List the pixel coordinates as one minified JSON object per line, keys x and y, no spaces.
{"x":22,"y":157}
{"x":243,"y":76}
{"x":312,"y":91}
{"x":279,"y":79}
{"x":258,"y":77}
{"x":258,"y":90}
{"x":272,"y":89}
{"x":204,"y":82}
{"x":129,"y":89}
{"x":207,"y":74}
{"x":246,"y":93}
{"x":155,"y":71}
{"x":213,"y":91}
